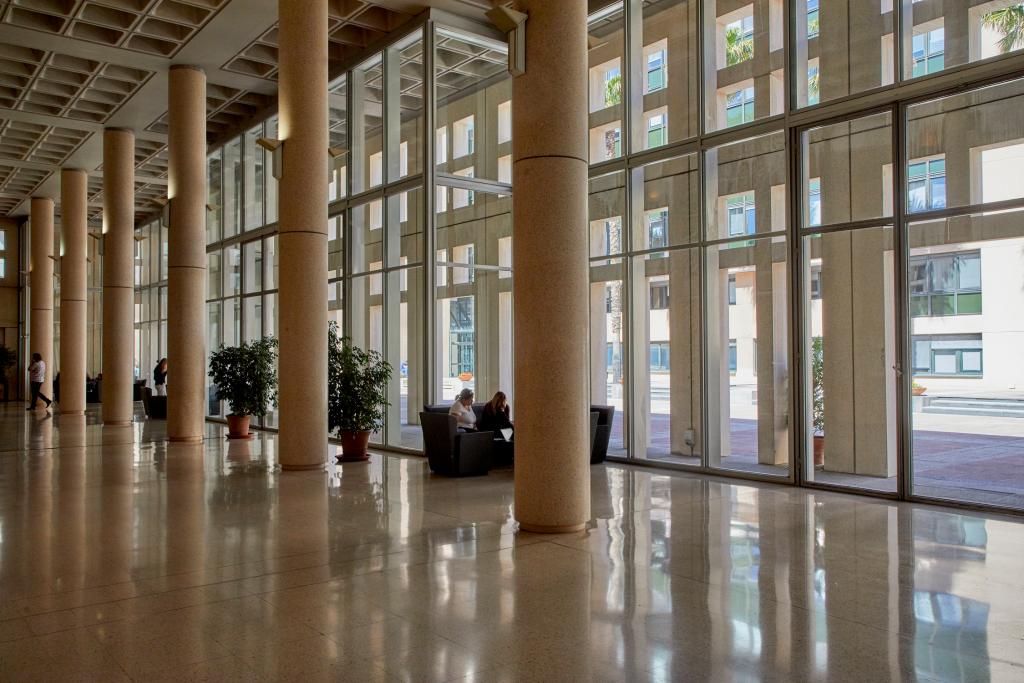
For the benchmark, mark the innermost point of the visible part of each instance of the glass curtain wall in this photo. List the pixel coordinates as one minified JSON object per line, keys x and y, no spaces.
{"x":800,"y":253}
{"x":150,"y":300}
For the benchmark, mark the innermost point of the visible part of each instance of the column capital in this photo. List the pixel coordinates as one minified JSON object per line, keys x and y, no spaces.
{"x":193,"y":67}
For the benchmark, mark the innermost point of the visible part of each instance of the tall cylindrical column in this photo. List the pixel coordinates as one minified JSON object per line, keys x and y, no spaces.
{"x":302,"y":233}
{"x":73,"y":287}
{"x":118,"y":275}
{"x":186,"y":259}
{"x":552,"y":477}
{"x":41,"y":280}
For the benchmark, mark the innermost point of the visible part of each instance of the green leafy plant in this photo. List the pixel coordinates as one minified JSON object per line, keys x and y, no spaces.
{"x":245,"y":376}
{"x":1008,"y":21}
{"x":357,"y":383}
{"x":613,"y":91}
{"x":818,"y":385}
{"x":737,"y":48}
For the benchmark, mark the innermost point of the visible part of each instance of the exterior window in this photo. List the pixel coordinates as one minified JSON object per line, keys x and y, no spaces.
{"x":926,"y":185}
{"x":659,"y":296}
{"x":814,"y":202}
{"x":3,"y":268}
{"x":741,"y":214}
{"x":739,"y":41}
{"x":463,"y":137}
{"x":813,"y":82}
{"x":441,"y":144}
{"x":929,"y":52}
{"x":655,"y":71}
{"x":462,"y":198}
{"x":462,"y":335}
{"x":504,"y":121}
{"x":656,"y":130}
{"x":732,"y":357}
{"x":612,"y":87}
{"x":815,"y":283}
{"x":505,"y":169}
{"x":659,"y":357}
{"x":812,"y":18}
{"x":739,"y":106}
{"x":948,"y":354}
{"x":613,"y":143}
{"x":657,"y":229}
{"x":732,"y":290}
{"x":947,"y":284}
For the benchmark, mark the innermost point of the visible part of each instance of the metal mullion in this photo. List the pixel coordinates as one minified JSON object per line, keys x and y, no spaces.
{"x":794,"y":272}
{"x":881,"y":222}
{"x":429,"y":216}
{"x":904,"y":427}
{"x":953,"y":212}
{"x":744,"y":238}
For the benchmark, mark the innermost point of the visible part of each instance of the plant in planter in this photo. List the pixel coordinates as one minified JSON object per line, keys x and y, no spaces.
{"x":246,"y":378}
{"x":357,"y":382}
{"x":8,"y":359}
{"x":918,"y":389}
{"x":818,"y":398}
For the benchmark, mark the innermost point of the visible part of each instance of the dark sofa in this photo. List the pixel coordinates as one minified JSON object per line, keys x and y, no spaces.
{"x":451,"y":452}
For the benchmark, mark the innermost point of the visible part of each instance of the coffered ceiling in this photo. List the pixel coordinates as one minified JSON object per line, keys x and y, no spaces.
{"x":69,"y":68}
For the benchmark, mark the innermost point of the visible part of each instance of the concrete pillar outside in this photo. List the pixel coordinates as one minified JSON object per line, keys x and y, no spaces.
{"x":302,"y":236}
{"x":186,"y":254}
{"x":41,"y":280}
{"x":549,"y":152}
{"x":73,"y":288}
{"x":118,"y":275}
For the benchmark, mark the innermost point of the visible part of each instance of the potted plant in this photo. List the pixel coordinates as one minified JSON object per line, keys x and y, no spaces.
{"x":357,"y":383}
{"x":917,"y":389}
{"x":818,"y":398}
{"x":246,"y":378}
{"x":8,"y":358}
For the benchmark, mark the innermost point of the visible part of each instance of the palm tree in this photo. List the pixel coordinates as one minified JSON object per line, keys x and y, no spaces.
{"x":737,"y":48}
{"x":1010,"y":22}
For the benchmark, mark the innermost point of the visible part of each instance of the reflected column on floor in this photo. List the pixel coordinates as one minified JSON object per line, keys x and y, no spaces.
{"x":73,"y":201}
{"x":186,"y":260}
{"x":41,"y":279}
{"x":118,"y":275}
{"x":302,"y":237}
{"x":552,"y":482}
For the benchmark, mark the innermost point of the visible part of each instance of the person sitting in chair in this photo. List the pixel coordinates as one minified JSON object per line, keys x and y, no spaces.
{"x":462,"y":409}
{"x":495,"y":419}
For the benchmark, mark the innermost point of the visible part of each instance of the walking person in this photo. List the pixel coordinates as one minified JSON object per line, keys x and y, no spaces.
{"x":36,"y":377}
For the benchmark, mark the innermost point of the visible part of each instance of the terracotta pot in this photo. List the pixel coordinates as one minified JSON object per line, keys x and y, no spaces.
{"x":238,"y":427}
{"x":353,"y":446}
{"x":819,"y":450}
{"x":918,"y":390}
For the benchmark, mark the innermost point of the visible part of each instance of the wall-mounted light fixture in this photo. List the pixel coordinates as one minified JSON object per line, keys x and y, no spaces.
{"x":165,"y":213}
{"x":512,"y":24}
{"x":276,"y":149}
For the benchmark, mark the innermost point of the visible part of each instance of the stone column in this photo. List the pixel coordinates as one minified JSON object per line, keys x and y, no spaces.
{"x":73,"y":288}
{"x":186,"y":254}
{"x":302,"y":233}
{"x":549,"y":152}
{"x":118,"y":275}
{"x":41,"y":280}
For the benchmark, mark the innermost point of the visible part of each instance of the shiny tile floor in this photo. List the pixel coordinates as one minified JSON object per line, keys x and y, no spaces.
{"x":124,"y":557}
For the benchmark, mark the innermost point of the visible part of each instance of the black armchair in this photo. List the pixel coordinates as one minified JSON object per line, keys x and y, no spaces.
{"x":453,"y":453}
{"x":605,"y":417}
{"x":154,"y":406}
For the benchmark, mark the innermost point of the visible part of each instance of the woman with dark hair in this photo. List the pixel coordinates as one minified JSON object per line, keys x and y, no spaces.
{"x":36,"y":378}
{"x":495,"y":419}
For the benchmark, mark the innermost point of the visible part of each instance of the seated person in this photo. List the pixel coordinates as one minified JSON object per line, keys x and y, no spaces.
{"x":495,"y":416}
{"x":462,"y":409}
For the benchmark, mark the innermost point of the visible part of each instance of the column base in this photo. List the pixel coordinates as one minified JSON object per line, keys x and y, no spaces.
{"x":544,"y":529}
{"x":185,"y":439}
{"x":301,"y":468}
{"x":117,"y":423}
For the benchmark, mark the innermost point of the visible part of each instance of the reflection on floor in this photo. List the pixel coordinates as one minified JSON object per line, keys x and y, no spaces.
{"x":124,"y":557}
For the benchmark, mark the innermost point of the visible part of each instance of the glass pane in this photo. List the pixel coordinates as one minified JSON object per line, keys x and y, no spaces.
{"x":213,"y":336}
{"x":667,"y":424}
{"x":968,"y":435}
{"x":367,"y":330}
{"x":232,"y":270}
{"x":252,"y":268}
{"x":232,"y":191}
{"x":270,"y":262}
{"x":748,"y":404}
{"x":367,"y":158}
{"x":608,"y":336}
{"x":405,"y":97}
{"x":405,"y":235}
{"x":405,"y":353}
{"x":335,"y":237}
{"x":456,"y":330}
{"x":953,"y":33}
{"x":668,"y":65}
{"x":337,"y":99}
{"x":607,"y":211}
{"x":743,"y":46}
{"x":474,"y":93}
{"x":214,"y":197}
{"x":746,"y":187}
{"x":606,"y":86}
{"x":368,"y":236}
{"x":849,"y":345}
{"x":847,"y":171}
{"x":255,"y":178}
{"x":671,"y":210}
{"x":252,"y":307}
{"x":981,"y":154}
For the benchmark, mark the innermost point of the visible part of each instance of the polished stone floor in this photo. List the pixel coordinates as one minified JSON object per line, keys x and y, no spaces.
{"x":124,"y":557}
